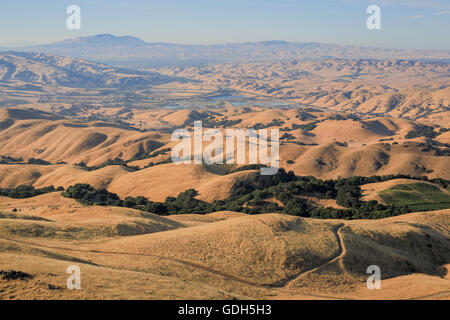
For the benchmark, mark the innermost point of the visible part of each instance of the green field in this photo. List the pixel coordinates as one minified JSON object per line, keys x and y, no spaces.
{"x":417,"y":196}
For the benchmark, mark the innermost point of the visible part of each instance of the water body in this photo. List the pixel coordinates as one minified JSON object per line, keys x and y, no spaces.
{"x":241,"y":103}
{"x":177,"y":107}
{"x":275,"y":103}
{"x":236,"y":101}
{"x":173,"y":107}
{"x":228,"y":97}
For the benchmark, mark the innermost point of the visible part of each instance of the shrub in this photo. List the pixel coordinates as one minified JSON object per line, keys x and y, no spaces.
{"x":38,"y":161}
{"x":251,"y":196}
{"x":86,"y":194}
{"x":129,"y":202}
{"x":424,"y":131}
{"x":14,"y":275}
{"x":23,"y":191}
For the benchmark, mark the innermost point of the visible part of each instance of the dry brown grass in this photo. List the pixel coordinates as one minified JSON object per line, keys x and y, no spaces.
{"x":126,"y":253}
{"x":218,"y":256}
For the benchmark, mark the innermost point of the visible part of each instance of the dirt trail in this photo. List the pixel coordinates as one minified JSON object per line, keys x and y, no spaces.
{"x":284,"y":288}
{"x":284,"y":284}
{"x":339,"y":254}
{"x":187,"y":263}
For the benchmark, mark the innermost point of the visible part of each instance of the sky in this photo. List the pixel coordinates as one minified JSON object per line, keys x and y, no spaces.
{"x":405,"y":24}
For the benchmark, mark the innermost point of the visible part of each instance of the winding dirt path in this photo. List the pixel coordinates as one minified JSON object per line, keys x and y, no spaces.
{"x":281,"y":285}
{"x":339,"y":254}
{"x":286,"y":284}
{"x":215,"y":272}
{"x":284,"y":288}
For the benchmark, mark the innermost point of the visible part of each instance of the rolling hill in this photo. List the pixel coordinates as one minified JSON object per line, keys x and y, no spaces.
{"x":411,"y":89}
{"x":328,"y":149}
{"x":402,"y":88}
{"x":267,"y":256}
{"x":355,"y":125}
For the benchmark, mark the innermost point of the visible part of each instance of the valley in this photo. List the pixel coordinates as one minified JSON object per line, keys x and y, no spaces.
{"x":87,"y":176}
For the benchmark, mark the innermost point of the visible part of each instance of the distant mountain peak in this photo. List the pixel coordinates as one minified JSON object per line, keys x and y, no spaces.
{"x":104,"y":39}
{"x":105,"y":35}
{"x":113,"y":37}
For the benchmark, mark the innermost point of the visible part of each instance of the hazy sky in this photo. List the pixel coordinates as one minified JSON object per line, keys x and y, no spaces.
{"x":417,"y":24}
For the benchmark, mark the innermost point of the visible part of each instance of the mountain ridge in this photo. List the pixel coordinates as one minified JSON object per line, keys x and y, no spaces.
{"x":110,"y":48}
{"x":57,"y":70}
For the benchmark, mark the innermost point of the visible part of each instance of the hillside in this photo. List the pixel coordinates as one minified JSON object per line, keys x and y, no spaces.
{"x":411,"y":89}
{"x":225,"y":254}
{"x":87,"y":178}
{"x":54,"y":217}
{"x":402,"y":88}
{"x":42,"y":135}
{"x":265,"y":256}
{"x":129,"y":162}
{"x":30,"y":77}
{"x":50,"y":70}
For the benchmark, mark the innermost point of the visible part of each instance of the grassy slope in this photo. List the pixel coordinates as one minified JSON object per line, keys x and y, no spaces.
{"x":419,"y":196}
{"x":246,"y":256}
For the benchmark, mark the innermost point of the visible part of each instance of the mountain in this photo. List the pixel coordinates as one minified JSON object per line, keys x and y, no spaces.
{"x":100,"y":41}
{"x":127,"y":50}
{"x":43,"y":70}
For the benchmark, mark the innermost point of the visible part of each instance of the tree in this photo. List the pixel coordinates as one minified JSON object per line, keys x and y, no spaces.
{"x":129,"y":202}
{"x":348,"y":196}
